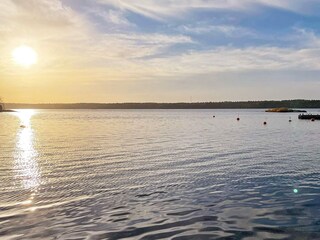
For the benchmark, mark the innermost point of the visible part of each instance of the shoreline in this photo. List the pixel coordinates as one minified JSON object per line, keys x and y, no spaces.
{"x":265,"y":104}
{"x":4,"y":111}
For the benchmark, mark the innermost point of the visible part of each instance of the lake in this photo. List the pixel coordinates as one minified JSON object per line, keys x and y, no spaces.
{"x":159,"y":174}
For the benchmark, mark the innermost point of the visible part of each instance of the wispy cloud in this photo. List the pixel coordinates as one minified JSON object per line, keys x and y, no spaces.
{"x":231,"y":59}
{"x":67,"y":40}
{"x":161,"y":10}
{"x":227,"y":30}
{"x":104,"y":42}
{"x":56,"y":28}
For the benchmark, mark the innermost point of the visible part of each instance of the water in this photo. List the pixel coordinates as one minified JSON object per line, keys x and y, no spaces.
{"x":158,"y":174}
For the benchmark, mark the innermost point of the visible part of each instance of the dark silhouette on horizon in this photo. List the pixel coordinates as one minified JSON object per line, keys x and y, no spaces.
{"x":1,"y":105}
{"x":297,"y":103}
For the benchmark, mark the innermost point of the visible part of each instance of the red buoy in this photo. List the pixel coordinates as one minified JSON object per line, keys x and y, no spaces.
{"x":238,"y":119}
{"x":312,"y":119}
{"x":264,"y":123}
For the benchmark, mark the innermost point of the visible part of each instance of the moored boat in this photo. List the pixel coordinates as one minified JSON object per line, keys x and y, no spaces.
{"x":284,"y":110}
{"x":309,"y":116}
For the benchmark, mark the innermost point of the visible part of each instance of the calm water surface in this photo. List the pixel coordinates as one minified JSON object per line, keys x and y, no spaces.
{"x":158,"y":174}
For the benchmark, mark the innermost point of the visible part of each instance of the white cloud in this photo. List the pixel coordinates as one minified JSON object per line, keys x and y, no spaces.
{"x":76,"y":49}
{"x":122,"y":47}
{"x":114,"y":18}
{"x":228,"y":59}
{"x":163,"y":9}
{"x":68,"y":42}
{"x":307,"y":37}
{"x":227,"y":30}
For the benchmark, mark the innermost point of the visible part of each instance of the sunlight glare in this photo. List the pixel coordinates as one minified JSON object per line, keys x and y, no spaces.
{"x":26,"y":166}
{"x":25,"y":116}
{"x":24,"y":56}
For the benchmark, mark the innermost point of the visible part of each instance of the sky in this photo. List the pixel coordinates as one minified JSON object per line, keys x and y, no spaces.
{"x":160,"y":50}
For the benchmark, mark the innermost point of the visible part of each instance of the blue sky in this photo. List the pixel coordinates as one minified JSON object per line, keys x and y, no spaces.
{"x":163,"y":50}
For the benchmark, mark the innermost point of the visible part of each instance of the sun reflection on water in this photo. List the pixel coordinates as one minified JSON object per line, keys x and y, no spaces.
{"x":26,"y":165}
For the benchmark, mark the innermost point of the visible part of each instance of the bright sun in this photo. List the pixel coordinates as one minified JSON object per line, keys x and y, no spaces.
{"x":24,"y":56}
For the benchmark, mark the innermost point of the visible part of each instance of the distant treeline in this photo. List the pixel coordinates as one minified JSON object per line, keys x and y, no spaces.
{"x":197,"y":105}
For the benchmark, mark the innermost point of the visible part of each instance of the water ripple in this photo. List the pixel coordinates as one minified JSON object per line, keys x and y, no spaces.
{"x":174,"y":174}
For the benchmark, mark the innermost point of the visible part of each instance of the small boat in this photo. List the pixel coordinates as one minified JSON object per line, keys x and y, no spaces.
{"x":284,"y":110}
{"x":309,"y":116}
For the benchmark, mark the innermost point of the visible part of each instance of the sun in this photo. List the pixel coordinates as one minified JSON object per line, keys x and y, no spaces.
{"x":24,"y":56}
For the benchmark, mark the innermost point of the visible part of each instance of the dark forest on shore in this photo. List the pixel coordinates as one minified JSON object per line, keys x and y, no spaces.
{"x":182,"y":105}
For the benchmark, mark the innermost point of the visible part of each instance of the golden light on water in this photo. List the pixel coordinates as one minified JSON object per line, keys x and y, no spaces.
{"x":24,"y":56}
{"x":25,"y":117}
{"x":26,"y":166}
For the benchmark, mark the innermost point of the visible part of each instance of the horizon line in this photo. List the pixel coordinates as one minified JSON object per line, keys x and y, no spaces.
{"x":154,"y":102}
